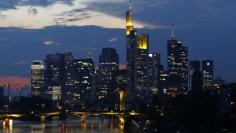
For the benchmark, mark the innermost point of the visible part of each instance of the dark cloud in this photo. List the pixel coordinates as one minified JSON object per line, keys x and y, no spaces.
{"x":73,"y":15}
{"x":32,"y":11}
{"x":73,"y":12}
{"x":11,"y":4}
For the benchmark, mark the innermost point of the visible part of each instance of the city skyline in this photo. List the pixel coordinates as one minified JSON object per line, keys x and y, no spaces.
{"x":199,"y":40}
{"x":86,"y":65}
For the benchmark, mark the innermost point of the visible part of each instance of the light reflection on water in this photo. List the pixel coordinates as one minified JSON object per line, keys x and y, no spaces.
{"x":92,"y":125}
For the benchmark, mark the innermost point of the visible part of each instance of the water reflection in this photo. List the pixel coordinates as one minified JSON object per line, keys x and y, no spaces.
{"x":72,"y":125}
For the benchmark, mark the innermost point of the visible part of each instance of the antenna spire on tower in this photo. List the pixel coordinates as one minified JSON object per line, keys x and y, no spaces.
{"x":130,"y":5}
{"x":172,"y":31}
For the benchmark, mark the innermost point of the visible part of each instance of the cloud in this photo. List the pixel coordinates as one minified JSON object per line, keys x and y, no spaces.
{"x":50,"y":42}
{"x":21,"y":62}
{"x":217,"y":6}
{"x":33,"y":11}
{"x":114,"y":39}
{"x":12,"y":4}
{"x":2,"y":15}
{"x":34,"y":14}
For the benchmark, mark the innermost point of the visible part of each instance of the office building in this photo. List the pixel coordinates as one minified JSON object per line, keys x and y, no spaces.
{"x":55,"y":66}
{"x":177,"y":65}
{"x":207,"y":72}
{"x":154,"y":72}
{"x":193,"y":67}
{"x":108,"y":65}
{"x":38,"y":79}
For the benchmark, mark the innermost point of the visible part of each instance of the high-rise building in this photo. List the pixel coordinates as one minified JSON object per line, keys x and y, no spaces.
{"x":1,"y":97}
{"x":137,"y":57}
{"x":38,"y":78}
{"x":108,"y":65}
{"x":207,"y":72}
{"x":129,"y":23}
{"x":132,"y":60}
{"x":163,"y":80}
{"x":68,"y":90}
{"x":55,"y":66}
{"x":154,"y":72}
{"x":193,"y":67}
{"x":83,"y":79}
{"x":177,"y":65}
{"x":142,"y":63}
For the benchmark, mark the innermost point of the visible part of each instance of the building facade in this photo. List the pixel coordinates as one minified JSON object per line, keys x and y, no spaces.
{"x":137,"y":57}
{"x":154,"y":72}
{"x":38,"y":78}
{"x":108,"y":65}
{"x":177,"y":65}
{"x":208,"y":74}
{"x":55,"y":66}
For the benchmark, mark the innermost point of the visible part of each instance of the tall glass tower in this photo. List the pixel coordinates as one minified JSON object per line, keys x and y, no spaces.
{"x":177,"y":65}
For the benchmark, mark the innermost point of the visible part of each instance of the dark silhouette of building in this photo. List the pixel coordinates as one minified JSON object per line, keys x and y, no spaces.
{"x":55,"y":66}
{"x":193,"y":67}
{"x":177,"y":65}
{"x":68,"y":91}
{"x":1,"y":97}
{"x":163,"y":80}
{"x":208,"y":73}
{"x":196,"y":82}
{"x":154,"y":72}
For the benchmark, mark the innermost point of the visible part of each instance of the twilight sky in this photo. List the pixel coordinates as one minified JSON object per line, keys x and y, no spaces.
{"x":30,"y":29}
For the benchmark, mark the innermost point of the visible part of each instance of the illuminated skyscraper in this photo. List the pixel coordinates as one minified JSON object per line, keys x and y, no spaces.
{"x":129,"y":24}
{"x":177,"y":65}
{"x":142,"y":63}
{"x":37,"y":78}
{"x":108,"y":66}
{"x":207,"y":72}
{"x":83,"y":79}
{"x":137,"y":57}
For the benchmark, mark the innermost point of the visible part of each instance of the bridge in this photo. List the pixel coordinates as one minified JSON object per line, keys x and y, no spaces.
{"x":121,"y":114}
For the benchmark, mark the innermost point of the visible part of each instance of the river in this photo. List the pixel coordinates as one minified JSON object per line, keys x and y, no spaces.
{"x":72,"y":125}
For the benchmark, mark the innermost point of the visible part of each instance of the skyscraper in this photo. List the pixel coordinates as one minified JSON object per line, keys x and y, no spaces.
{"x":142,"y":63}
{"x":55,"y":75}
{"x":129,"y":23}
{"x":38,"y":79}
{"x":132,"y":60}
{"x":68,"y":90}
{"x":163,"y":79}
{"x":1,"y":96}
{"x":83,"y":77}
{"x":137,"y":57}
{"x":154,"y":72}
{"x":193,"y":67}
{"x":108,"y":65}
{"x":177,"y":64}
{"x":208,"y":73}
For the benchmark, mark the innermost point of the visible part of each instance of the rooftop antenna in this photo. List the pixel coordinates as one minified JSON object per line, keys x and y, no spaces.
{"x":90,"y":56}
{"x":130,"y":5}
{"x":172,"y":31}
